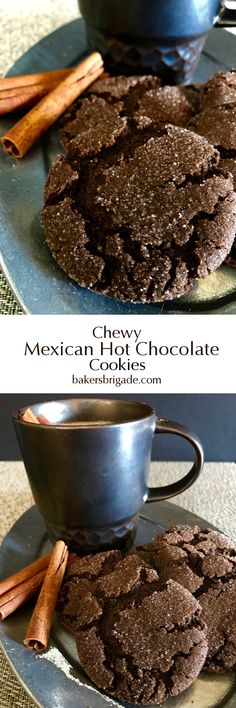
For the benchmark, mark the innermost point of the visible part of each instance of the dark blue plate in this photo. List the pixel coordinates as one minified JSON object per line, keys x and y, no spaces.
{"x":39,"y":285}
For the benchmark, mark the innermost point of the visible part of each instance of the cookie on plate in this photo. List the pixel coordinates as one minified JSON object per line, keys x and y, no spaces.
{"x":136,"y":213}
{"x":217,"y":122}
{"x":204,"y":562}
{"x":167,"y":104}
{"x":216,"y":119}
{"x":138,"y":639}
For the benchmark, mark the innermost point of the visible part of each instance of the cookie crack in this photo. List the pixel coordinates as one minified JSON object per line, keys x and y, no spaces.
{"x":67,"y":191}
{"x":206,"y":173}
{"x":172,"y":271}
{"x":214,"y":659}
{"x":96,"y":245}
{"x":195,"y":565}
{"x":226,"y":153}
{"x":211,"y":583}
{"x":123,"y":148}
{"x":188,"y":252}
{"x":110,"y":267}
{"x":131,"y":100}
{"x":167,"y":677}
{"x":214,"y":656}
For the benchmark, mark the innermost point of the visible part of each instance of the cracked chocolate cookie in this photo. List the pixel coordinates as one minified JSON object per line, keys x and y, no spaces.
{"x":137,"y":639}
{"x":139,"y":213}
{"x":204,"y":562}
{"x":217,"y":122}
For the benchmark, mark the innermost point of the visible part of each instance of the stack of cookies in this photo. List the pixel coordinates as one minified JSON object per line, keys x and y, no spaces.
{"x":143,"y":204}
{"x":146,"y":623}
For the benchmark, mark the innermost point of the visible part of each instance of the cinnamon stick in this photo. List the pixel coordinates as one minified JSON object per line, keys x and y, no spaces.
{"x":35,"y":123}
{"x":38,"y":632}
{"x":19,"y":595}
{"x":43,"y":420}
{"x":29,"y":417}
{"x":26,"y":80}
{"x":24,"y":574}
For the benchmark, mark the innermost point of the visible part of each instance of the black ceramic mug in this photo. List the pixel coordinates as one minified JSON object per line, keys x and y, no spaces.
{"x":163,"y":37}
{"x":88,"y":470}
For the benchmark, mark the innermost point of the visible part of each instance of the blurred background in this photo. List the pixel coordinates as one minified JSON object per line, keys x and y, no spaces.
{"x":211,"y":416}
{"x":24,"y":23}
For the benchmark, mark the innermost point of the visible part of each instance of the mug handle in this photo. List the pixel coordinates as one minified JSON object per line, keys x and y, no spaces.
{"x":169,"y":426}
{"x":227,"y":18}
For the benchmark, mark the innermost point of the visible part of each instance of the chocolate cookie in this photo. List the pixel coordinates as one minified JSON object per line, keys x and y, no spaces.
{"x":143,"y":212}
{"x":216,"y":119}
{"x":167,"y":104}
{"x":217,"y":122}
{"x":137,"y":639}
{"x":204,"y":562}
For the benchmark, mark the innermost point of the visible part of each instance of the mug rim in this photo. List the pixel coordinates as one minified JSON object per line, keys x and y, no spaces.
{"x":148,"y":409}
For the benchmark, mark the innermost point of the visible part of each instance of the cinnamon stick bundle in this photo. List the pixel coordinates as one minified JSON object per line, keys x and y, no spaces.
{"x":38,"y":632}
{"x":20,"y":587}
{"x":35,"y":123}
